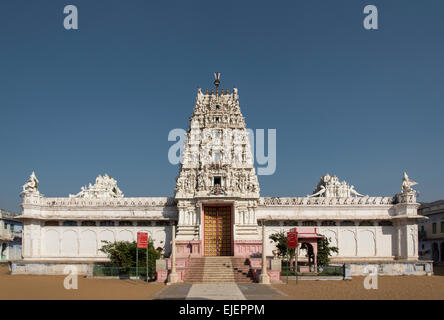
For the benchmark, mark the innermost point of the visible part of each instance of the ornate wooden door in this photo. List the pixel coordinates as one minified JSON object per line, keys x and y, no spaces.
{"x":217,"y":231}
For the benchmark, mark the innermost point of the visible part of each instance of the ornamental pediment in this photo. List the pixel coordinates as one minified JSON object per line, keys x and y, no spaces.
{"x":105,"y":187}
{"x":330,"y":187}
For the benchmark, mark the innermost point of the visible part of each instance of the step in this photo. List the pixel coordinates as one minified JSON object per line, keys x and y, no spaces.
{"x":218,"y":270}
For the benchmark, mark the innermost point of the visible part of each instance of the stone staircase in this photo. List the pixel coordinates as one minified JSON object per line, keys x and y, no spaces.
{"x":218,"y":270}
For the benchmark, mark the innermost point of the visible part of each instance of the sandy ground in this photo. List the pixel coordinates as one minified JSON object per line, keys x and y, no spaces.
{"x":397,"y":288}
{"x":51,"y":288}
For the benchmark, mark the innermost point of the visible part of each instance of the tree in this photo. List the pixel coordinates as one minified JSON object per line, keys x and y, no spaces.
{"x":123,"y":255}
{"x":280,"y":240}
{"x":325,"y":251}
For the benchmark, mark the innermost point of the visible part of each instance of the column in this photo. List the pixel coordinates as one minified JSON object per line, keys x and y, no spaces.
{"x":173,"y":276}
{"x":264,"y":278}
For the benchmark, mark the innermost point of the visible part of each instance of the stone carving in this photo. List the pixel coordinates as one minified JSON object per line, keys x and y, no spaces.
{"x":105,"y":187}
{"x":408,"y":194}
{"x":407,"y":184}
{"x":141,"y":202}
{"x":353,"y":192}
{"x":329,"y":186}
{"x":217,"y":157}
{"x":323,"y":201}
{"x":217,"y":190}
{"x":32,"y":185}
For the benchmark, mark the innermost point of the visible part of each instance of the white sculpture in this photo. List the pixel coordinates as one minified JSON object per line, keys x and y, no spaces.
{"x":105,"y":187}
{"x":329,"y":186}
{"x":218,"y":148}
{"x":32,"y":185}
{"x":407,"y":184}
{"x":353,"y":192}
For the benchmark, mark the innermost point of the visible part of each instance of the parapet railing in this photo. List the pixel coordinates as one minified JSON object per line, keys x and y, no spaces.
{"x":108,"y":202}
{"x":325,"y":201}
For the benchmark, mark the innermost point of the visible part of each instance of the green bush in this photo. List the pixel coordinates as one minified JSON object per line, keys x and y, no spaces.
{"x":123,"y":255}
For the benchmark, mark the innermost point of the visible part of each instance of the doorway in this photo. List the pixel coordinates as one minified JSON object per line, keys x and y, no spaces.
{"x":217,"y":231}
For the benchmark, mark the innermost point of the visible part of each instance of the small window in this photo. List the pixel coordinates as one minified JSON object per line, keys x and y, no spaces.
{"x":217,"y":107}
{"x":422,"y":228}
{"x":69,"y":223}
{"x":125,"y":223}
{"x":442,"y":226}
{"x":347,"y":223}
{"x":6,"y":226}
{"x":143,"y":223}
{"x":89,"y":223}
{"x":217,"y":180}
{"x":366,"y":223}
{"x":309,"y":223}
{"x":328,"y":223}
{"x":386,"y":224}
{"x":51,"y":223}
{"x":107,"y":223}
{"x":162,"y":223}
{"x":434,"y":227}
{"x":217,"y":119}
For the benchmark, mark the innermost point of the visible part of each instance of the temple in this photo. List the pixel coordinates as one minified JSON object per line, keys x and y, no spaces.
{"x":217,"y":208}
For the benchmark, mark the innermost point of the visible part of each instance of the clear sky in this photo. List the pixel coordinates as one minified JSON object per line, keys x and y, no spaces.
{"x":364,"y":105}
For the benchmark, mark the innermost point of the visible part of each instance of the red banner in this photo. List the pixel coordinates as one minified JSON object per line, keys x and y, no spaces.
{"x":292,"y":239}
{"x":142,"y":240}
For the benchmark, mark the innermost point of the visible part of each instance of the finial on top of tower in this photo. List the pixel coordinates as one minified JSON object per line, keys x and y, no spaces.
{"x":217,"y":79}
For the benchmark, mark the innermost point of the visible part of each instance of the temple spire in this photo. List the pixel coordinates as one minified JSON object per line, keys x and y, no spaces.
{"x":217,"y":80}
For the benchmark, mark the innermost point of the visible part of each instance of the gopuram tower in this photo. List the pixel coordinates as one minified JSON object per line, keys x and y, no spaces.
{"x":217,"y":190}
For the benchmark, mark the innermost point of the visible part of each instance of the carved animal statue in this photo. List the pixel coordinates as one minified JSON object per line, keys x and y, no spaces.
{"x":407,"y":184}
{"x":319,"y":193}
{"x":354,"y":192}
{"x":32,"y":184}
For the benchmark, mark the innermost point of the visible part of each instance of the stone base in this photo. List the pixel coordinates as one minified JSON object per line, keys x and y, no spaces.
{"x":188,"y":248}
{"x":163,"y":268}
{"x":247,"y":248}
{"x":50,"y":268}
{"x":274,"y":276}
{"x":173,"y":278}
{"x":394,"y":268}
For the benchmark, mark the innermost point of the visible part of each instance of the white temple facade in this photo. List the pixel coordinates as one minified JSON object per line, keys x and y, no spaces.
{"x":217,"y":205}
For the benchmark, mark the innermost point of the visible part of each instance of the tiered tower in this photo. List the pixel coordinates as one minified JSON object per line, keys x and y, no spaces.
{"x":217,"y":170}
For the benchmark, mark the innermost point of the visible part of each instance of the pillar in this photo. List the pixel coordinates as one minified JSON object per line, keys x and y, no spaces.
{"x":173,"y":276}
{"x":264,"y":278}
{"x":315,"y":253}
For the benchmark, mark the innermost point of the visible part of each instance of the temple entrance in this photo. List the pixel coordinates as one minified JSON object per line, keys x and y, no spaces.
{"x":217,"y":231}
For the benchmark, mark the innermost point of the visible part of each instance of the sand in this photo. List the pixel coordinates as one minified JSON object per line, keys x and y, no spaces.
{"x":389,"y":287}
{"x":51,"y":288}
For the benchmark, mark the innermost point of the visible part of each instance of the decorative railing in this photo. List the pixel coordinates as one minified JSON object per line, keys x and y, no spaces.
{"x":323,"y":201}
{"x":107,"y":202}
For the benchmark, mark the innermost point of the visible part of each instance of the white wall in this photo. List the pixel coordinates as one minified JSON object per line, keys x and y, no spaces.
{"x":352,"y":241}
{"x":85,"y":242}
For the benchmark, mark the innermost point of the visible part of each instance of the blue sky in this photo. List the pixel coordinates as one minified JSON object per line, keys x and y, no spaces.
{"x":364,"y":105}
